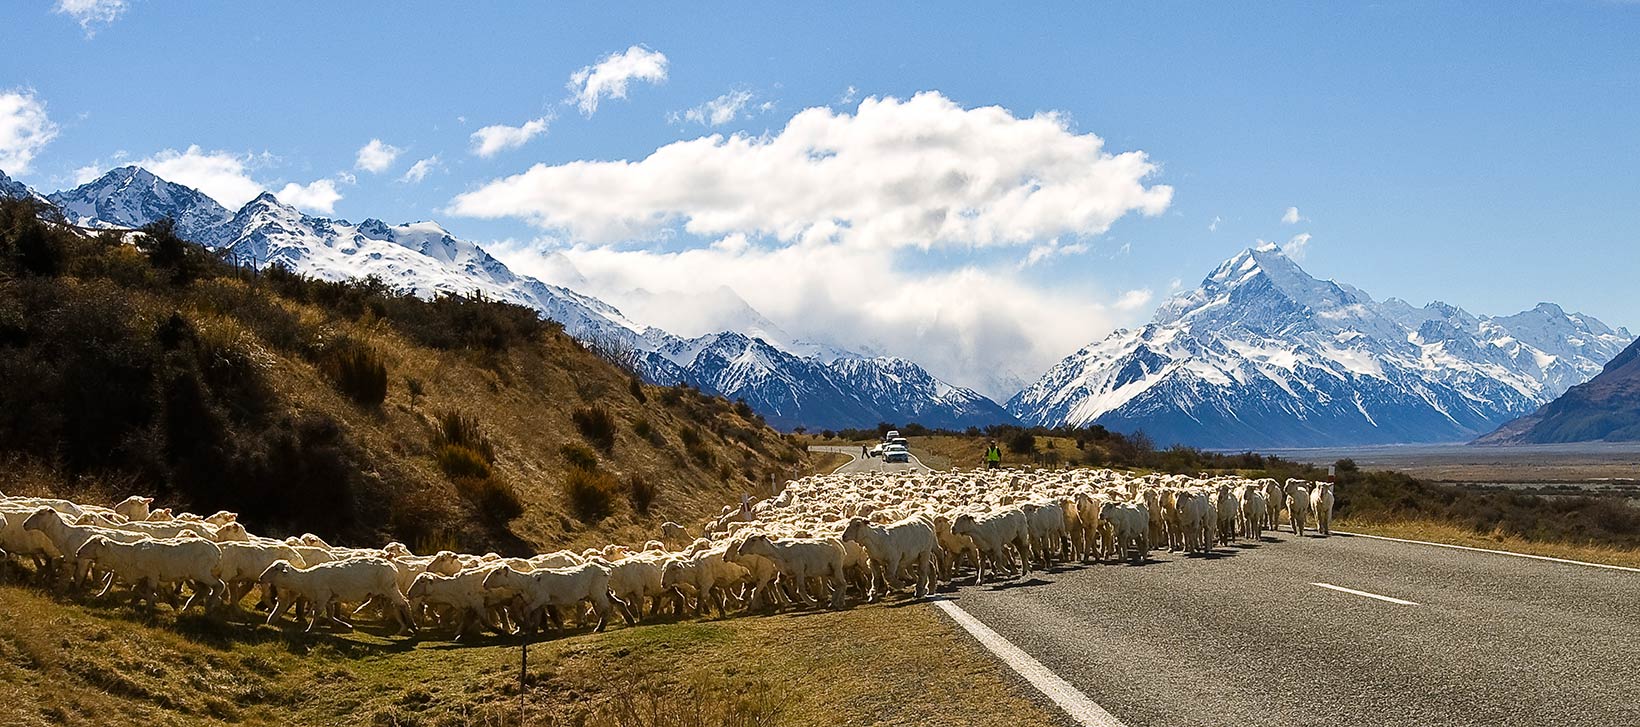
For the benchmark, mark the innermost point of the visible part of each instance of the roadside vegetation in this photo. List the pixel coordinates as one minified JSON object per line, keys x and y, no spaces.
{"x":1582,"y":527}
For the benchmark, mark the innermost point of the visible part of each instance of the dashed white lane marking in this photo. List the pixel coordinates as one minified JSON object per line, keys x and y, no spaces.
{"x":1494,"y":552}
{"x":1085,"y":711}
{"x":1364,"y":593}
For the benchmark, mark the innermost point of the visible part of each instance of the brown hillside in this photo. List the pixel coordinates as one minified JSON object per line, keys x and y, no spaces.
{"x":153,"y":368}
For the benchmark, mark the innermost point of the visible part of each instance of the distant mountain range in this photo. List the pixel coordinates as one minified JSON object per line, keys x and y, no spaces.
{"x":1606,"y":408}
{"x":1260,"y":355}
{"x":792,"y":383}
{"x":1263,"y":355}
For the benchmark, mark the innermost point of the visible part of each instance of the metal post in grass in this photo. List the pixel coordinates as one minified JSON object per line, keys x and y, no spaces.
{"x":523,"y":671}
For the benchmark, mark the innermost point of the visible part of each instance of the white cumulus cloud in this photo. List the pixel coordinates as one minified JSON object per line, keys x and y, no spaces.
{"x":227,"y":178}
{"x":920,"y":172}
{"x":376,"y":157}
{"x":221,"y":175}
{"x":420,"y":170}
{"x":608,"y":78}
{"x":718,"y":111}
{"x":317,"y":196}
{"x":492,"y":140}
{"x":92,"y":14}
{"x":25,"y":129}
{"x":1290,"y":217}
{"x":839,"y":229}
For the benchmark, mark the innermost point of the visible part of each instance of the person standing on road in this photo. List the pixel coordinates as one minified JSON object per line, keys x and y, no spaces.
{"x":864,"y":453}
{"x":993,"y":456}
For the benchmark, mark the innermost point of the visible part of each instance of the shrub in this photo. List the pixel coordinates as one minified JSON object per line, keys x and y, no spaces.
{"x":579,"y":456}
{"x":356,"y":370}
{"x":460,"y":429}
{"x":596,"y":424}
{"x":695,"y":446}
{"x":462,"y":463}
{"x":636,"y":387}
{"x":492,"y":496}
{"x":643,"y":428}
{"x":415,"y":388}
{"x":590,"y":494}
{"x":1022,"y":443}
{"x":641,"y":493}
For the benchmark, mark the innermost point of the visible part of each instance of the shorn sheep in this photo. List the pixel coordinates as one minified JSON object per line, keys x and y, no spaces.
{"x":824,"y":541}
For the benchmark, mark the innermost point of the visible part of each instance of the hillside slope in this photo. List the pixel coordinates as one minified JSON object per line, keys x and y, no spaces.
{"x":340,"y":408}
{"x":791,"y":383}
{"x":1606,"y":408}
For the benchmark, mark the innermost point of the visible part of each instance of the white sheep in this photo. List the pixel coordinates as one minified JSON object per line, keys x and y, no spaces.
{"x":992,"y":533}
{"x":905,"y":543}
{"x":330,"y":584}
{"x":151,"y":565}
{"x":1298,"y":505}
{"x":800,"y":559}
{"x":1321,"y":505}
{"x":547,"y":589}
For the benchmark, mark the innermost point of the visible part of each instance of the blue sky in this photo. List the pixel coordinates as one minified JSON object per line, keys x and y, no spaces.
{"x":1486,"y":154}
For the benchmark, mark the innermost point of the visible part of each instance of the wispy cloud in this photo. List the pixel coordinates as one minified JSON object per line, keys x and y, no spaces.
{"x":420,"y":170}
{"x":1296,"y":247}
{"x":718,"y":111}
{"x":608,"y":78}
{"x":1290,"y":217}
{"x":25,"y":129}
{"x":492,"y":140}
{"x":92,"y":15}
{"x":1214,"y":225}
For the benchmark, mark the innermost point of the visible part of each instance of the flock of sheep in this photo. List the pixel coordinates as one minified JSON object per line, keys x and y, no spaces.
{"x":823,"y":538}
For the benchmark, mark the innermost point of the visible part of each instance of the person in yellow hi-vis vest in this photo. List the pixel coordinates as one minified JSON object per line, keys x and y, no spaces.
{"x":993,"y":456}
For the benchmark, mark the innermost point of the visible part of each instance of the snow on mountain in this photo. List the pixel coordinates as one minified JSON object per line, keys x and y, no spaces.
{"x":1264,"y":355}
{"x":132,"y":197}
{"x":792,"y":382}
{"x":12,"y":188}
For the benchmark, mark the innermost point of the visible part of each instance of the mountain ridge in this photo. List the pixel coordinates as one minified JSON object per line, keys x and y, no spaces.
{"x":1262,"y":354}
{"x":793,"y":383}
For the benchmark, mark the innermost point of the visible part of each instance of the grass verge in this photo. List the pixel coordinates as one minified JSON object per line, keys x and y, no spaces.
{"x":66,"y":663}
{"x":1440,"y":532}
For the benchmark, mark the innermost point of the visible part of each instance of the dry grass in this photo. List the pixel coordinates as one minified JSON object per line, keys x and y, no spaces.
{"x":1439,"y":532}
{"x":68,"y":664}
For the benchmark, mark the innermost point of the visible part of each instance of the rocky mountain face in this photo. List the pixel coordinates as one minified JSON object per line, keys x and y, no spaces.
{"x":1606,"y":408}
{"x":792,"y":383}
{"x":1264,"y":355}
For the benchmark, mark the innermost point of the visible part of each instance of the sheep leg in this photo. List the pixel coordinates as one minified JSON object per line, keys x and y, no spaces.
{"x":626,"y":608}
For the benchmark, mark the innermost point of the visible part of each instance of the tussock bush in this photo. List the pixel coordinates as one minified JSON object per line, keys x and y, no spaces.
{"x":596,"y":424}
{"x":579,"y":456}
{"x":641,"y":493}
{"x":459,"y":462}
{"x":590,"y":494}
{"x":493,"y":496}
{"x":460,"y":429}
{"x":636,"y":388}
{"x":356,"y":370}
{"x":695,"y":446}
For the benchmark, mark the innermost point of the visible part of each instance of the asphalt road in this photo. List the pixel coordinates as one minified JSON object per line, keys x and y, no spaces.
{"x":1244,"y":638}
{"x":870,"y":464}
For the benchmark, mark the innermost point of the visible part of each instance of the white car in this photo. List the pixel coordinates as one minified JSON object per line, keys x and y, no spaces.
{"x":896,"y":453}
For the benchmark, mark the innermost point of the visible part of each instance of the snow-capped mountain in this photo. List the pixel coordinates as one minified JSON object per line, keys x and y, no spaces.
{"x":792,"y":383}
{"x":12,"y":188}
{"x":132,"y":197}
{"x":1264,"y":355}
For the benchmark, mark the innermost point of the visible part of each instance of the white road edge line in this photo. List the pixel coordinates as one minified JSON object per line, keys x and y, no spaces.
{"x":1494,"y":552}
{"x":1085,"y":711}
{"x":1364,"y":593}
